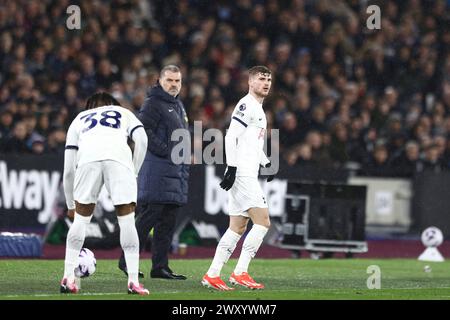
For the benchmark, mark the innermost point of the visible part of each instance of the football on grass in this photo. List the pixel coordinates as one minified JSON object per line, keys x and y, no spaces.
{"x":86,"y":264}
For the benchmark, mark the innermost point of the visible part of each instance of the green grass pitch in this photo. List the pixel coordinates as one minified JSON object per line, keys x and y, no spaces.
{"x":285,"y":279}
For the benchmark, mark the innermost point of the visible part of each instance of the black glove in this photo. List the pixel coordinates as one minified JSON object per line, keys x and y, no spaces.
{"x":228,"y":179}
{"x":271,"y":176}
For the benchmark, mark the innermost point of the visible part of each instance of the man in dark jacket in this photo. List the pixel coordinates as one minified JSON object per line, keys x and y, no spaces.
{"x":162,"y":185}
{"x":408,"y":162}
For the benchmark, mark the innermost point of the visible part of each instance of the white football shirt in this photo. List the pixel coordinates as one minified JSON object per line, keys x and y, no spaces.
{"x":102,"y":134}
{"x":244,"y":142}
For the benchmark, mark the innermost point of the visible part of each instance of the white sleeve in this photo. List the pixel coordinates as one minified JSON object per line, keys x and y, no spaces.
{"x":139,"y":137}
{"x":235,"y":130}
{"x":134,"y":123}
{"x":70,"y":162}
{"x":72,"y":136}
{"x":136,"y":132}
{"x":240,"y":119}
{"x":242,"y":114}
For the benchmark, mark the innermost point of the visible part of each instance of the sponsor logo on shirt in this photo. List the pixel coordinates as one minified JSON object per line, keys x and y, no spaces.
{"x":242,"y":107}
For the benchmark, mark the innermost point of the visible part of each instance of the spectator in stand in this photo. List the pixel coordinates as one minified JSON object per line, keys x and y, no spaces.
{"x":318,"y":119}
{"x":339,"y":143}
{"x":304,"y":154}
{"x":319,"y":154}
{"x":407,"y":163}
{"x":6,"y":123}
{"x":432,"y":161}
{"x":16,"y":142}
{"x":289,"y":132}
{"x":56,"y":140}
{"x":38,"y":147}
{"x":378,"y":165}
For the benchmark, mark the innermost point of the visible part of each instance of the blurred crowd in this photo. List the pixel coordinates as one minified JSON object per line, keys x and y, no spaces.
{"x":343,"y":95}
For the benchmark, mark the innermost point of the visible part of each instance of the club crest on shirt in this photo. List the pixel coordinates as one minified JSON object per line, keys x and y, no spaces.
{"x":242,"y":107}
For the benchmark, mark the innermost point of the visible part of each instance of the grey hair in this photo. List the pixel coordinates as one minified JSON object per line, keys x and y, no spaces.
{"x":411,"y":143}
{"x":170,"y":67}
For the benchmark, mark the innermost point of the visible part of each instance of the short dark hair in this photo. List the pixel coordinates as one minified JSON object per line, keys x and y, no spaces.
{"x":100,"y":99}
{"x":253,"y":71}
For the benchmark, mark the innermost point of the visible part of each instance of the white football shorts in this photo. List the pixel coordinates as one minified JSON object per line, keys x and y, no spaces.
{"x":245,"y":193}
{"x":119,"y":180}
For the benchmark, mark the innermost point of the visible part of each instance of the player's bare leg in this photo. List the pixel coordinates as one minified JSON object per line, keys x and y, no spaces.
{"x":129,"y":241}
{"x":225,"y":248}
{"x":253,"y":240}
{"x":238,"y":224}
{"x":75,"y":239}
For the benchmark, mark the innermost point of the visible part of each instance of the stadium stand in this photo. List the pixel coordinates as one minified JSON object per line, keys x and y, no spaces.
{"x":342,"y":93}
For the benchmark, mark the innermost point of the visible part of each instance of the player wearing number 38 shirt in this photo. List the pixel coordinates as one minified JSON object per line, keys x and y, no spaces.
{"x":92,"y":135}
{"x":97,"y":153}
{"x":244,"y":143}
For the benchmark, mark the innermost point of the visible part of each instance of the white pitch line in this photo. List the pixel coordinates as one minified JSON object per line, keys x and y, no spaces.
{"x":74,"y":295}
{"x":56,"y":294}
{"x":174,"y":292}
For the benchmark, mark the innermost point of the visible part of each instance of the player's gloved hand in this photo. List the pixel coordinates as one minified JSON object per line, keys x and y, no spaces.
{"x":271,"y":176}
{"x":228,"y":179}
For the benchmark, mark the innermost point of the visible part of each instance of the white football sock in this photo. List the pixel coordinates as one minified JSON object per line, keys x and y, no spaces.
{"x":129,"y":241}
{"x":74,"y":243}
{"x":251,"y":245}
{"x":224,"y":250}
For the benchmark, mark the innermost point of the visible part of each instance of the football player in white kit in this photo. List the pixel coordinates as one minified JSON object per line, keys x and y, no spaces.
{"x":244,"y":144}
{"x":97,"y":153}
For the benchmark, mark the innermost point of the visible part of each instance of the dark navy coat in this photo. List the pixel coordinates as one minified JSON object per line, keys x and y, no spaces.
{"x":160,"y":180}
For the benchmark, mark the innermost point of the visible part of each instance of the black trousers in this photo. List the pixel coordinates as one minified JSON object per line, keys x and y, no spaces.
{"x":161,"y":217}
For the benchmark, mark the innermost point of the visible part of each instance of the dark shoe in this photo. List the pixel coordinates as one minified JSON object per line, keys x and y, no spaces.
{"x":166,"y":274}
{"x":124,"y":269}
